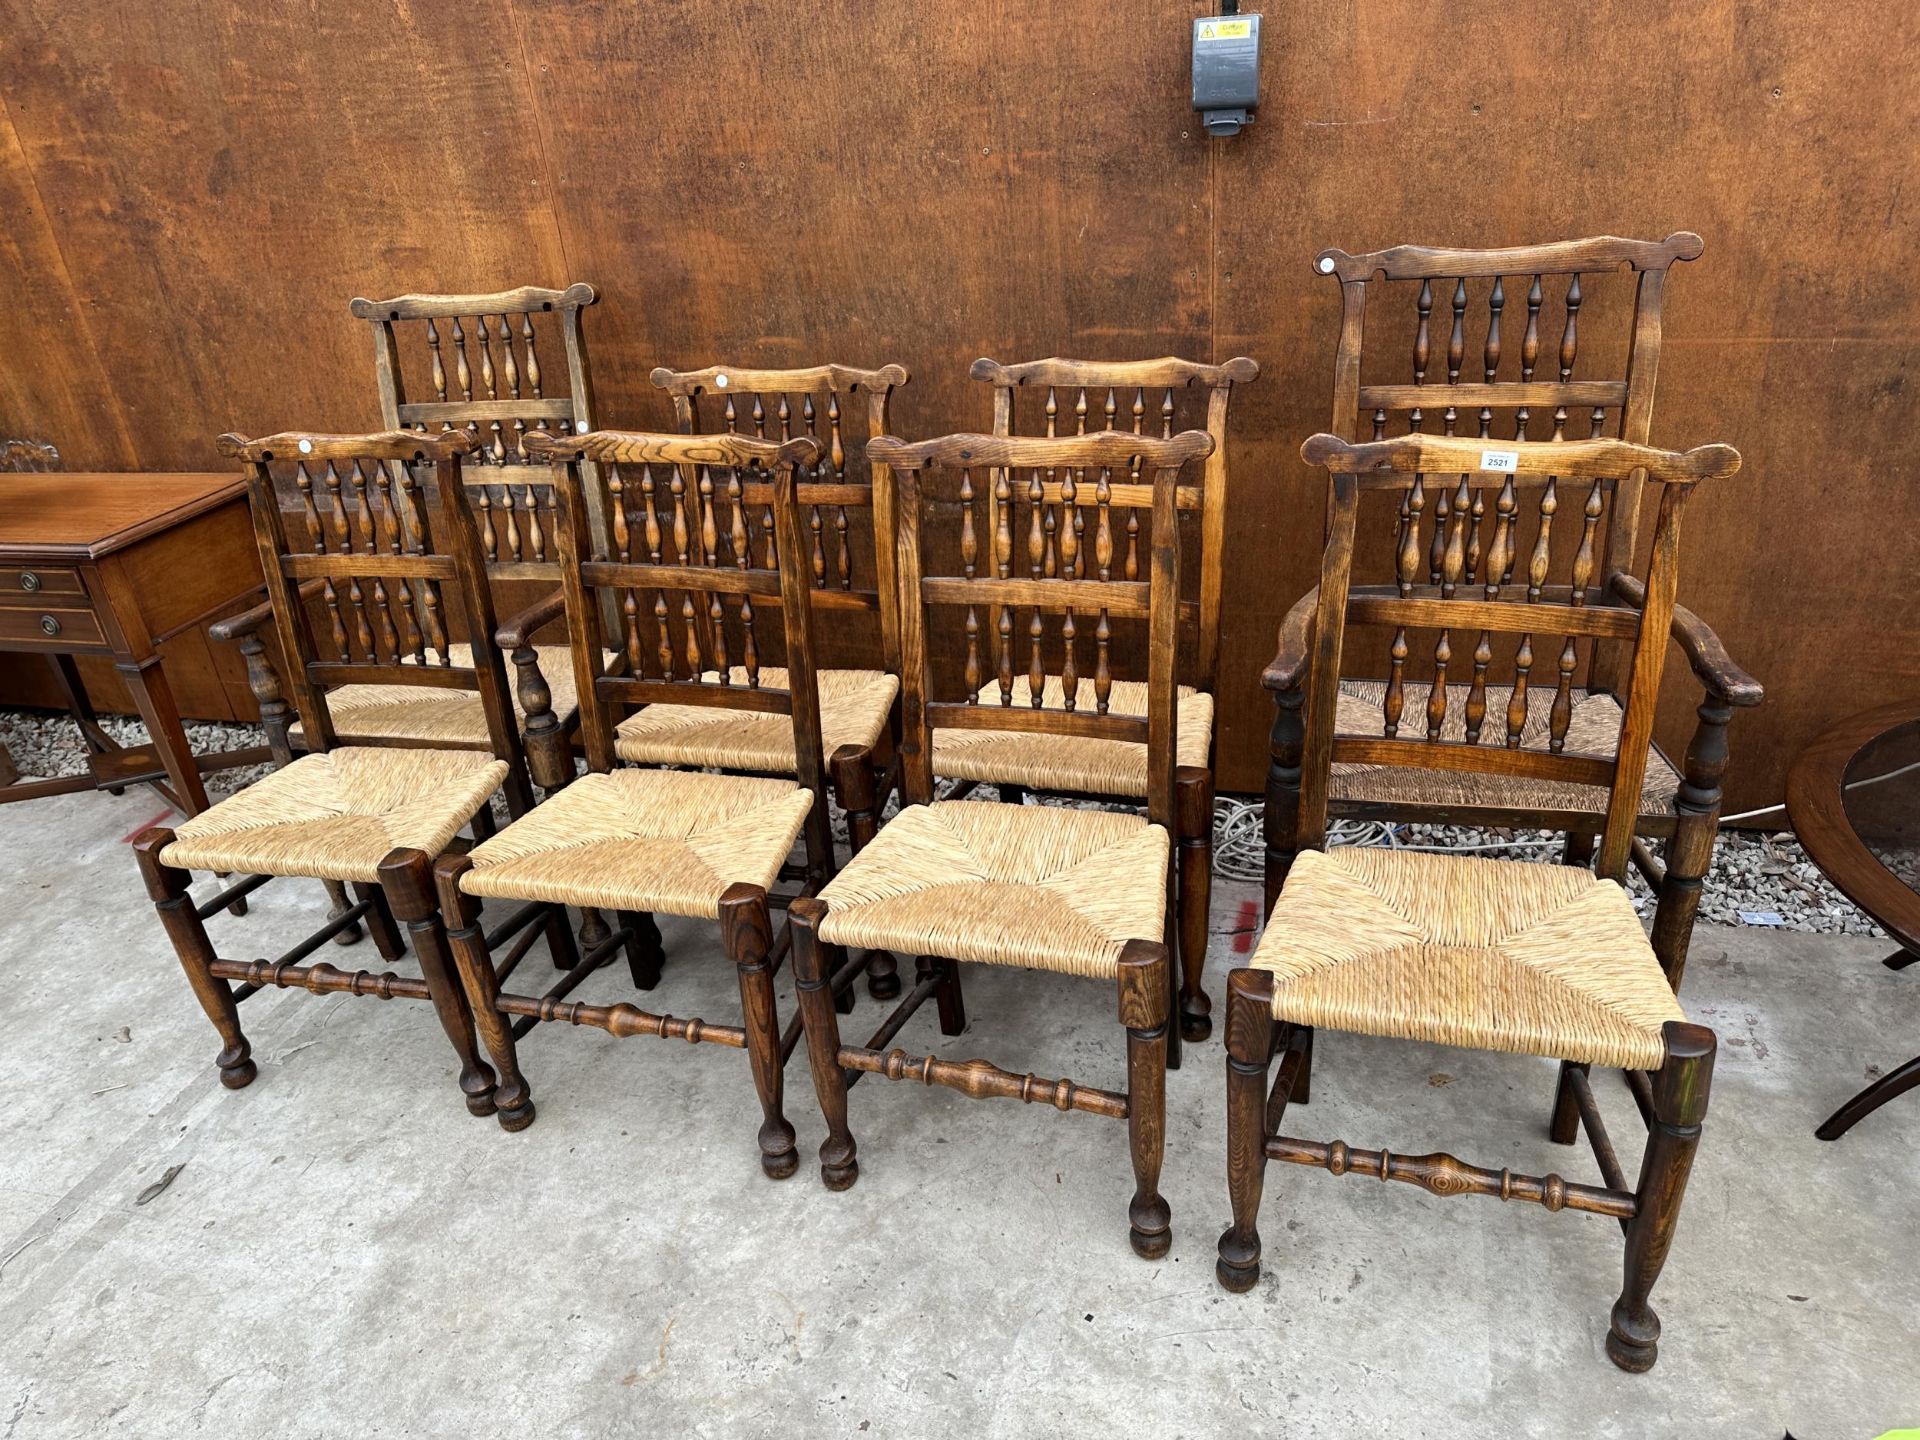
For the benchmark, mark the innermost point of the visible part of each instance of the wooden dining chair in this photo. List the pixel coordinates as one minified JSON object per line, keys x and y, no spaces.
{"x":842,"y":407}
{"x":1142,"y":397}
{"x":1503,"y":955}
{"x":1545,"y":367}
{"x":688,"y":575}
{"x":1077,"y":891}
{"x":379,"y":533}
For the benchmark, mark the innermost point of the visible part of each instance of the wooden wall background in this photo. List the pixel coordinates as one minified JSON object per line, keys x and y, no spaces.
{"x":191,"y":194}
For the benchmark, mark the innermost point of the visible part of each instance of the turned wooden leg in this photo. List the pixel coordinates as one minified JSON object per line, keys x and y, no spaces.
{"x":1146,"y":1012}
{"x":1690,"y":851}
{"x":560,"y":944}
{"x":379,"y":922}
{"x":748,"y":935}
{"x":1249,"y":1056}
{"x":406,"y":876}
{"x":1280,"y":821}
{"x":594,"y":932}
{"x":549,"y":756}
{"x":854,"y":792}
{"x":512,"y":1101}
{"x":1565,"y":1126}
{"x":1193,"y":811}
{"x":337,"y":905}
{"x":812,"y":984}
{"x":953,"y":1005}
{"x":168,"y":887}
{"x":1679,"y":1106}
{"x":645,"y":954}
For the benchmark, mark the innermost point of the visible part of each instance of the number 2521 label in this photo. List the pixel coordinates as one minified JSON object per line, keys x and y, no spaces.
{"x":1503,"y":462}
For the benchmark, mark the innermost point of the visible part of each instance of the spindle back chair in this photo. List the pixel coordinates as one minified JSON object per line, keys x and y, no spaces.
{"x":688,"y":578}
{"x":381,"y":543}
{"x":1076,"y":891}
{"x":1144,"y":397}
{"x":1490,"y":954}
{"x":1583,"y":361}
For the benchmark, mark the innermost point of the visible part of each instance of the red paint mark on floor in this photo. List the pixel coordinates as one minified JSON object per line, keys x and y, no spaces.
{"x":1244,"y":925}
{"x":144,"y":826}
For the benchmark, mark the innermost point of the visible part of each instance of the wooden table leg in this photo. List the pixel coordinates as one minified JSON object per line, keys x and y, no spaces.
{"x":1870,"y":1099}
{"x":147,"y":682}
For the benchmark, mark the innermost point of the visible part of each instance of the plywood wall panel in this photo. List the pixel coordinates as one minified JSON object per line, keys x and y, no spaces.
{"x":204,"y":187}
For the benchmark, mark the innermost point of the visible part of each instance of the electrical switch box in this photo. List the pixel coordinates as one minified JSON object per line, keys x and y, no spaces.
{"x":1226,"y":71}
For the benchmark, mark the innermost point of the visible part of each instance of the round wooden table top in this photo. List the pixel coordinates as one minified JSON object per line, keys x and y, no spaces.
{"x":1853,"y":801}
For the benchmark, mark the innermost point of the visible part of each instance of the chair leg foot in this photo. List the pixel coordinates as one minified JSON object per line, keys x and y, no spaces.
{"x":883,"y":976}
{"x":516,"y":1119}
{"x":238,"y":1074}
{"x":1145,"y":977}
{"x":1236,"y":1276}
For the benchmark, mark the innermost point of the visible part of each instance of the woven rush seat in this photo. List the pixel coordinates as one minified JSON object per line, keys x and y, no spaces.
{"x":369,"y":714}
{"x":1592,"y":729}
{"x":1488,"y":954}
{"x":854,"y":705}
{"x":336,"y":815}
{"x":1032,"y":885}
{"x":651,"y":840}
{"x":1068,"y":762}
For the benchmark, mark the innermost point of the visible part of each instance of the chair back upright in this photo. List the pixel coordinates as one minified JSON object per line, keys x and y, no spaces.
{"x":1495,"y":476}
{"x":999,"y":596}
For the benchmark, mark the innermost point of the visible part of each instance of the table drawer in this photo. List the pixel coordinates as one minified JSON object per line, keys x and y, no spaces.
{"x":34,"y":585}
{"x":50,"y":627}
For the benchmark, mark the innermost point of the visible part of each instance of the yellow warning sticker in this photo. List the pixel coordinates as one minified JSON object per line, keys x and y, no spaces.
{"x":1225,"y":29}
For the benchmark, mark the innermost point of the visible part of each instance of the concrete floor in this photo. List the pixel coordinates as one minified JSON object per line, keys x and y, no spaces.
{"x":346,"y":1252}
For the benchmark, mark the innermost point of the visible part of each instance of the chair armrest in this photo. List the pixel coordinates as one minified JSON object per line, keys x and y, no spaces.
{"x":1295,"y":646}
{"x":1708,"y":657}
{"x":248,"y":621}
{"x":517,"y":631}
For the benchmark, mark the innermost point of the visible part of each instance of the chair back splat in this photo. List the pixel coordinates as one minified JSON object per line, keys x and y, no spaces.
{"x":1144,"y":397}
{"x":1008,"y":603}
{"x":1479,"y":597}
{"x":371,"y":527}
{"x":705,"y":532}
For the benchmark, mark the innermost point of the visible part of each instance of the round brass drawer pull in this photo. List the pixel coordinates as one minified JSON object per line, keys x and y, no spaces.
{"x":50,"y":625}
{"x":29,"y":580}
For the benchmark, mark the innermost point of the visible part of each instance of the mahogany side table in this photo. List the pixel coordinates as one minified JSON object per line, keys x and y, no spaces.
{"x":116,"y":564}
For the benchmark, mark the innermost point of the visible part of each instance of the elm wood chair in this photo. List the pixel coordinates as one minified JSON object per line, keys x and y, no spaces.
{"x":1486,"y":954}
{"x":1081,"y":892}
{"x":635,"y":842}
{"x":843,"y":407}
{"x":1014,"y":760}
{"x":1481,"y":294}
{"x":398,"y":566}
